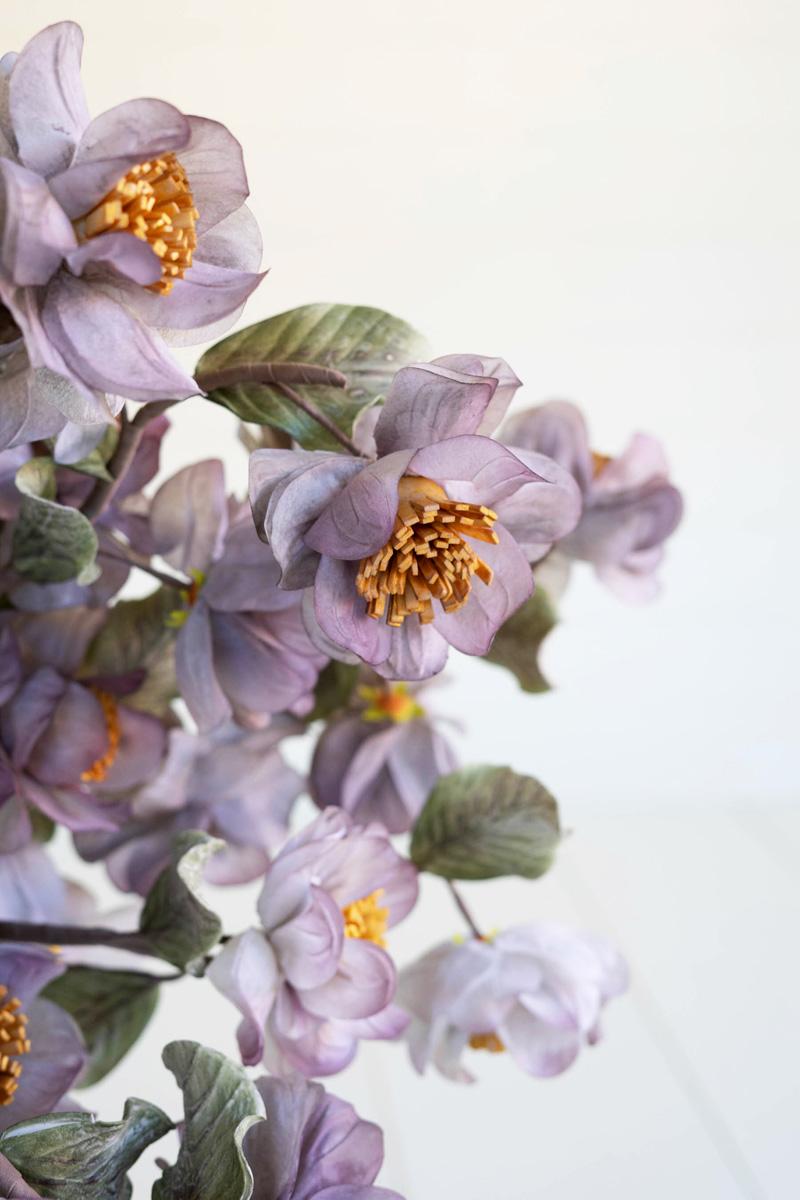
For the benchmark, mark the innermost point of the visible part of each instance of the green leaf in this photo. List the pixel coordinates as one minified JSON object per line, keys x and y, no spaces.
{"x":112,"y":1009}
{"x":481,"y":822}
{"x":95,"y":462}
{"x":133,"y":636}
{"x":334,"y":689}
{"x":175,"y":922}
{"x":517,"y":643}
{"x":220,"y":1104}
{"x":366,"y":344}
{"x":51,"y":543}
{"x":71,"y":1156}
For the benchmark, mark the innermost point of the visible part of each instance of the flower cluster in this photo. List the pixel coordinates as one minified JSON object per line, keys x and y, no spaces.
{"x":166,"y":646}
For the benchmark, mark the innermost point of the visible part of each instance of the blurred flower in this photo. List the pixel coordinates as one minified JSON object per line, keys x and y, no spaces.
{"x":43,"y":1052}
{"x":242,"y":649}
{"x":387,"y":545}
{"x":536,"y":991}
{"x":112,"y":229}
{"x":233,"y":784}
{"x":316,"y":977}
{"x":312,"y":1146}
{"x":629,"y":505}
{"x":380,"y":763}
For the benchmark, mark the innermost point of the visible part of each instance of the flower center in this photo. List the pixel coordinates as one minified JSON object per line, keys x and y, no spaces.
{"x":153,"y":202}
{"x":102,"y":765}
{"x":487,"y":1041}
{"x":177,"y":617}
{"x":599,"y":463}
{"x":13,"y":1042}
{"x":365,"y":919}
{"x":426,"y":558}
{"x":391,"y":703}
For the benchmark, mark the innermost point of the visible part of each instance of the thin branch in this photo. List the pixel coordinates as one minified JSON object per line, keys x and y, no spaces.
{"x":130,"y":435}
{"x":131,"y":559}
{"x":312,"y":411}
{"x":462,"y":908}
{"x":271,"y":373}
{"x":75,"y":935}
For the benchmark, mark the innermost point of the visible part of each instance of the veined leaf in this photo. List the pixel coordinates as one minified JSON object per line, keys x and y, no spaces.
{"x":175,"y":922}
{"x":52,"y":542}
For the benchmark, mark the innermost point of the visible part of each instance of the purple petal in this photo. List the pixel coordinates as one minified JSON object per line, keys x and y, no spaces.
{"x":32,"y":711}
{"x":245,"y":579}
{"x":194,"y":670}
{"x":360,"y":518}
{"x":141,"y":749}
{"x":337,"y":745}
{"x":51,"y":1066}
{"x":12,"y":1184}
{"x":15,"y":823}
{"x":114,"y":142}
{"x":27,"y":413}
{"x":427,"y":403}
{"x":541,"y":513}
{"x":362,"y":986}
{"x":264,"y":663}
{"x":538,"y":1048}
{"x":75,"y":737}
{"x":214,"y":165}
{"x":558,"y":430}
{"x":36,"y":233}
{"x":26,"y":969}
{"x":342,"y":613}
{"x":472,"y":629}
{"x":72,"y":807}
{"x":492,"y":368}
{"x":124,"y":254}
{"x":105,"y":347}
{"x":46,"y":101}
{"x":416,"y":652}
{"x":30,"y":887}
{"x":10,"y":665}
{"x":246,"y":973}
{"x":189,"y":516}
{"x":309,"y":946}
{"x":300,"y":1042}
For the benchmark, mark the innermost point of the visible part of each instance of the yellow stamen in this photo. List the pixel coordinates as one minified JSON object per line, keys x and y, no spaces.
{"x":153,"y":202}
{"x":390,"y":702}
{"x":177,"y":617}
{"x":426,"y":558}
{"x":599,"y":463}
{"x":14,"y":1041}
{"x":365,"y":919}
{"x":487,"y":1041}
{"x":102,"y":765}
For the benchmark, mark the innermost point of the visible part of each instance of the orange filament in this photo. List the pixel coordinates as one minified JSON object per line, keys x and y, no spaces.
{"x":13,"y":1042}
{"x":365,"y":919}
{"x":153,"y":202}
{"x":487,"y":1041}
{"x":599,"y":463}
{"x":426,"y":558}
{"x":390,"y":703}
{"x":102,"y":765}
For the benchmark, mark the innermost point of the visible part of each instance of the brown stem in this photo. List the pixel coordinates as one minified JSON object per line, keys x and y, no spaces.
{"x":130,"y":435}
{"x":271,"y":373}
{"x":132,"y":559}
{"x":462,"y":908}
{"x":312,"y":411}
{"x":74,"y":935}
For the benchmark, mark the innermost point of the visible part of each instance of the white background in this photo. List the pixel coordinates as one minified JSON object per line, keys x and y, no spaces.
{"x":607,"y":195}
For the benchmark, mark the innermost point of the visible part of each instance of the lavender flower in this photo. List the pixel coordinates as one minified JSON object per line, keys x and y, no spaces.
{"x":387,"y":546}
{"x":233,"y":784}
{"x":242,"y":649}
{"x":316,"y":977}
{"x":112,"y":229}
{"x":536,"y":991}
{"x":312,"y":1146}
{"x":629,"y":506}
{"x":380,"y":762}
{"x":43,"y":1052}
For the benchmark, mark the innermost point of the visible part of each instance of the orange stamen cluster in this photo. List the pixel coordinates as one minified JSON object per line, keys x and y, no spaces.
{"x":13,"y":1042}
{"x":599,"y":463}
{"x":153,"y":202}
{"x":487,"y":1041}
{"x":426,"y":558}
{"x":102,"y":765}
{"x":366,"y":919}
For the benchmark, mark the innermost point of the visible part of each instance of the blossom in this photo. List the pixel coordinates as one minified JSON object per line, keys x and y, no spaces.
{"x":387,"y":545}
{"x":312,"y":1146}
{"x":536,"y":991}
{"x":630,"y":507}
{"x":232,"y":783}
{"x":60,"y":738}
{"x":380,"y":762}
{"x":43,"y":1053}
{"x":242,"y":649}
{"x":316,"y":977}
{"x":114,"y":231}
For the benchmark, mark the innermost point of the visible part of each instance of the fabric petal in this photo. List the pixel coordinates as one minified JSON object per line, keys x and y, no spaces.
{"x":245,"y":972}
{"x":122,"y":253}
{"x":362,"y":986}
{"x":189,"y":516}
{"x":214,"y":165}
{"x":342,"y":613}
{"x":472,"y":629}
{"x":49,"y":1069}
{"x":492,"y":368}
{"x":416,"y":652}
{"x":309,"y":946}
{"x":26,"y":969}
{"x":194,"y":671}
{"x":46,"y":101}
{"x":360,"y":518}
{"x":558,"y":430}
{"x":427,"y":403}
{"x":36,"y":233}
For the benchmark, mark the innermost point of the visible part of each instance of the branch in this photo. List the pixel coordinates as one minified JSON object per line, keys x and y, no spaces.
{"x":466,"y":914}
{"x":75,"y":935}
{"x":130,"y":435}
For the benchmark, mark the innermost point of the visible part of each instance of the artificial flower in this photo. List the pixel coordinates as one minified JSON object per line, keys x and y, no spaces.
{"x":630,"y":507}
{"x":380,"y":761}
{"x":536,"y":991}
{"x":312,"y":1146}
{"x":389,"y":546}
{"x":316,"y":976}
{"x":115,"y":230}
{"x":43,"y":1052}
